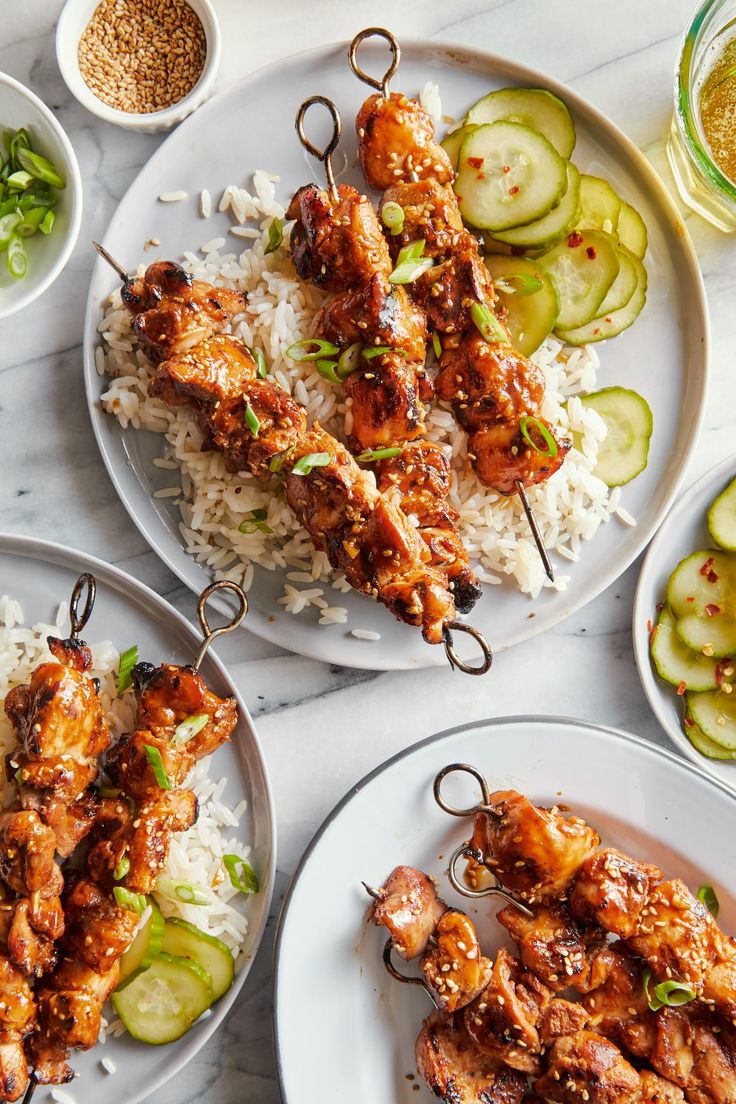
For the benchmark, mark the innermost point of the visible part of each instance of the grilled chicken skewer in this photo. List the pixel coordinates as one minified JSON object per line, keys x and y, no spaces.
{"x":259,"y":428}
{"x":495,"y":391}
{"x":337,"y":243}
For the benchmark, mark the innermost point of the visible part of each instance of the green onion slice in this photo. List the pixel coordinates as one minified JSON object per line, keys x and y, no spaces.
{"x":121,"y":869}
{"x":275,"y":235}
{"x":188,"y":892}
{"x":251,"y":420}
{"x":17,"y":259}
{"x":369,"y":455}
{"x":39,"y":167}
{"x":276,"y":463}
{"x":255,"y":523}
{"x":410,"y":264}
{"x":525,"y":285}
{"x":328,"y":370}
{"x":134,"y":902}
{"x":8,"y":224}
{"x":311,"y":348}
{"x":153,"y":755}
{"x":349,"y":360}
{"x":525,"y":423}
{"x":708,"y":896}
{"x":437,"y":344}
{"x":189,"y":727}
{"x":487,"y":324}
{"x":306,"y":464}
{"x":18,"y":776}
{"x":128,"y":660}
{"x":667,"y":994}
{"x":19,"y":181}
{"x":261,"y":366}
{"x":242,"y":874}
{"x":380,"y":350}
{"x":392,"y":217}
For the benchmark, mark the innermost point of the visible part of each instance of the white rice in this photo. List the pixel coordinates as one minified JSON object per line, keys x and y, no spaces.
{"x":173,"y":197}
{"x":570,"y":506}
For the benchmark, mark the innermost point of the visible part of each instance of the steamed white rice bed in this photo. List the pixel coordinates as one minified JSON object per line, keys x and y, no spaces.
{"x":570,"y":506}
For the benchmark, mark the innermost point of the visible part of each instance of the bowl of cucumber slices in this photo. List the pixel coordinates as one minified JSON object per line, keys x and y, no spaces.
{"x":685,"y":623}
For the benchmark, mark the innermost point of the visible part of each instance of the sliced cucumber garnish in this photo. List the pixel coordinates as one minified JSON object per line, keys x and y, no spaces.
{"x":722,"y":518}
{"x":556,"y":224}
{"x":700,"y":594}
{"x":624,"y":286}
{"x":624,"y":452}
{"x":631,"y":230}
{"x":583,"y":267}
{"x":534,"y":107}
{"x":145,"y":947}
{"x":508,"y":175}
{"x":678,"y":664}
{"x":600,"y":204}
{"x":531,"y":315}
{"x":703,"y":743}
{"x":610,"y":325}
{"x":715,"y":713}
{"x":188,"y":941}
{"x":159,"y":1004}
{"x":453,"y":141}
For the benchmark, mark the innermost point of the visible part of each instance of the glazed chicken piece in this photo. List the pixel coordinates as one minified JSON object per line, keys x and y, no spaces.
{"x":655,"y":1090}
{"x":69,"y":823}
{"x":457,"y":1072}
{"x":614,"y":994}
{"x":27,"y":853}
{"x":448,"y":291}
{"x":692,"y":1049}
{"x":17,"y":1013}
{"x":587,"y":1067}
{"x":497,"y":465}
{"x":386,"y":406}
{"x":396,"y":139}
{"x":550,"y":943}
{"x":534,"y":851}
{"x":454,"y":968}
{"x":486,"y":378}
{"x":173,"y":311}
{"x":431,"y":215}
{"x":561,"y":1018}
{"x":37,"y":924}
{"x":98,"y":931}
{"x":377,"y":314}
{"x":612,"y":890}
{"x":409,"y":909}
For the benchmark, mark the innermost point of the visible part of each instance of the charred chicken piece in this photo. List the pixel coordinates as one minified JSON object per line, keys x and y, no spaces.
{"x":614,"y":995}
{"x":386,"y":405}
{"x":378,"y":313}
{"x":457,"y":1072}
{"x":37,"y":924}
{"x":612,"y":890}
{"x":655,"y":1090}
{"x":550,"y":944}
{"x":453,"y":966}
{"x":396,"y":139}
{"x":587,"y":1067}
{"x":693,"y":1049}
{"x":431,"y":215}
{"x":27,"y":854}
{"x":98,"y":931}
{"x":561,"y":1018}
{"x":17,"y":1013}
{"x":448,"y":291}
{"x":409,"y":909}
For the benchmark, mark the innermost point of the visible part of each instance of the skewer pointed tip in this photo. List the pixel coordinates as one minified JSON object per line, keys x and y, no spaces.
{"x":371,"y":891}
{"x":543,"y":553}
{"x":111,"y":260}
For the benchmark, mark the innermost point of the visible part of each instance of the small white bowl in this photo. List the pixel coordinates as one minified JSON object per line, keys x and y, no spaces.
{"x":73,"y":21}
{"x":47,"y":253}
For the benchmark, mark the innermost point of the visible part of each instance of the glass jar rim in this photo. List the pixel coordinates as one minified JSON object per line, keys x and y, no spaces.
{"x":684,"y":105}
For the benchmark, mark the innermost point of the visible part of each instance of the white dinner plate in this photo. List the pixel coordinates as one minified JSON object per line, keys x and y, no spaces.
{"x":40,"y":575}
{"x":251,"y":126}
{"x":684,"y":530}
{"x":341,"y":1023}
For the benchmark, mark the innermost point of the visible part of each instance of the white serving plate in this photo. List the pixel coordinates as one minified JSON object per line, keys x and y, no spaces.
{"x":41,"y":575}
{"x":251,"y":126}
{"x":329,"y":973}
{"x":684,"y":530}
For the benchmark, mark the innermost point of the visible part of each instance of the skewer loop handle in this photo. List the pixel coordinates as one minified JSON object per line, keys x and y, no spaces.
{"x":464,"y":851}
{"x":466,"y":768}
{"x":455,"y":660}
{"x":325,"y":155}
{"x":210,"y":635}
{"x":375,"y":32}
{"x":85,"y":585}
{"x":398,"y":976}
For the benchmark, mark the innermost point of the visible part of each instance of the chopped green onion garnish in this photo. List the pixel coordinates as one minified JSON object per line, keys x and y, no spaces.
{"x":8,"y":224}
{"x":19,"y":181}
{"x":242,"y":874}
{"x":128,"y":660}
{"x":275,"y":235}
{"x":18,"y":776}
{"x":39,"y":167}
{"x":437,"y":344}
{"x":121,"y":869}
{"x":708,"y":896}
{"x":410,"y":264}
{"x":261,"y":366}
{"x":527,"y":285}
{"x":667,"y":994}
{"x":369,"y":455}
{"x":187,"y":892}
{"x":276,"y":463}
{"x":328,"y":370}
{"x":153,"y":755}
{"x":392,"y":217}
{"x":134,"y":902}
{"x":17,"y":259}
{"x":189,"y":727}
{"x":487,"y":324}
{"x":255,"y":523}
{"x":378,"y":350}
{"x":525,"y":423}
{"x":312,"y":460}
{"x":251,"y":420}
{"x":311,"y":348}
{"x":349,"y":360}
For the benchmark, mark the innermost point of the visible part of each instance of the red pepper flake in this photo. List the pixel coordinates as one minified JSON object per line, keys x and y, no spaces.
{"x":681,"y":689}
{"x":652,"y":633}
{"x":517,"y":250}
{"x":609,"y":321}
{"x":514,"y":190}
{"x":689,"y":598}
{"x":590,"y":253}
{"x":689,"y":722}
{"x":476,"y":162}
{"x":575,"y":239}
{"x":712,"y":609}
{"x":507,"y":168}
{"x":649,"y":624}
{"x":707,"y":571}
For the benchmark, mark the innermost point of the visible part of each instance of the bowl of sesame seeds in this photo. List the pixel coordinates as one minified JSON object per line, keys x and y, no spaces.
{"x":142,"y":64}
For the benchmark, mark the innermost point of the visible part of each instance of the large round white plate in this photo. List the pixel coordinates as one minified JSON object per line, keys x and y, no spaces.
{"x":252,"y":126}
{"x":329,"y":974}
{"x":684,"y":530}
{"x":41,"y":575}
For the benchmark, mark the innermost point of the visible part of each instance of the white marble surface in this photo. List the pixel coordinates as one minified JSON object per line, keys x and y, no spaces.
{"x":324,"y":727}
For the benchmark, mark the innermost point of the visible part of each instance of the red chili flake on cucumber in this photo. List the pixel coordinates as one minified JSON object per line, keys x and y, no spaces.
{"x":590,"y":253}
{"x":575,"y":239}
{"x":681,"y":689}
{"x":707,"y":571}
{"x":476,"y":162}
{"x":712,"y":609}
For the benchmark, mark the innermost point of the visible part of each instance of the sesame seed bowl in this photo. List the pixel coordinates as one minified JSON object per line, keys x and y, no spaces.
{"x":141,"y":64}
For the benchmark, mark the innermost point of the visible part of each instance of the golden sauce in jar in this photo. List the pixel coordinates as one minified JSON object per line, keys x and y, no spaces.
{"x":718,"y":110}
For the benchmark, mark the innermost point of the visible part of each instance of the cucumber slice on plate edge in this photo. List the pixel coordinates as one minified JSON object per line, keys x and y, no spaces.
{"x":190,"y":986}
{"x":722,"y":518}
{"x":600,"y":203}
{"x":631,"y":230}
{"x":534,"y":107}
{"x":678,"y":664}
{"x":603,"y":327}
{"x":702,"y":743}
{"x":625,"y":451}
{"x":698,"y":593}
{"x":715,"y":714}
{"x":145,"y":947}
{"x":185,"y":940}
{"x":453,"y":141}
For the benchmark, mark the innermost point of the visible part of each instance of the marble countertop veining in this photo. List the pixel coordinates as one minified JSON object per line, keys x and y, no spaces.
{"x":324,"y":727}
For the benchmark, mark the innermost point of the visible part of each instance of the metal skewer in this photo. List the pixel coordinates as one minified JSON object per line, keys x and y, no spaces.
{"x":541,"y":549}
{"x":111,"y":261}
{"x":325,"y":155}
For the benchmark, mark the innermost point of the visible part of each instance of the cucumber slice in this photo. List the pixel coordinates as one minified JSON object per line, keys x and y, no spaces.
{"x":188,"y":941}
{"x":145,"y":947}
{"x":160,"y":1004}
{"x":624,"y":452}
{"x":583,"y":267}
{"x":631,"y":230}
{"x":678,"y":664}
{"x":508,"y":175}
{"x":610,"y":325}
{"x":722,"y":518}
{"x":533,"y":107}
{"x":624,"y":286}
{"x":700,"y":594}
{"x":452,"y":142}
{"x":703,"y":743}
{"x":530,"y":318}
{"x":600,"y":204}
{"x":715,"y":713}
{"x":557,"y":224}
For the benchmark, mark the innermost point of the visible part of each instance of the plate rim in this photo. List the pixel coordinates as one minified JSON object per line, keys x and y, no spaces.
{"x":36,"y":548}
{"x":428,"y":657}
{"x":436,"y":738}
{"x":641,"y":611}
